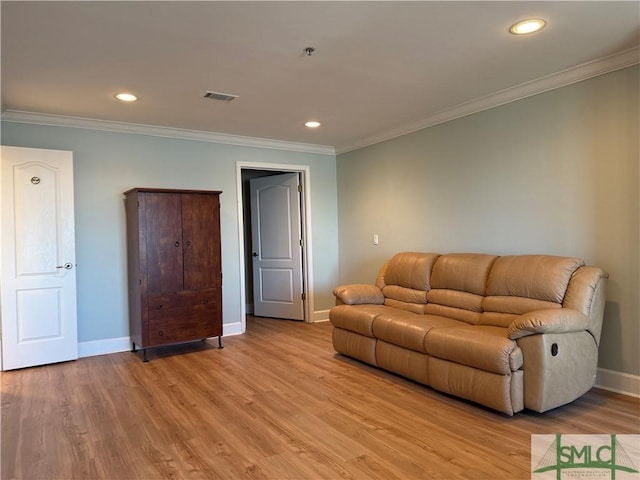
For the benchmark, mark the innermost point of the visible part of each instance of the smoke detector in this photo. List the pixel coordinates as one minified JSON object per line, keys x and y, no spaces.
{"x":222,"y":97}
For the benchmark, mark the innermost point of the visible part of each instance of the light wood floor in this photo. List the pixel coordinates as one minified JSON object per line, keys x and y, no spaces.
{"x":276,"y":403}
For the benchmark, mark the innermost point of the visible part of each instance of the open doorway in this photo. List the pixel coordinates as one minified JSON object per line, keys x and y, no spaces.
{"x":247,"y":173}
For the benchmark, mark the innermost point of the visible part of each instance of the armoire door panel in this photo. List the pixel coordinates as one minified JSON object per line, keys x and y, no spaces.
{"x":164,"y":243}
{"x":201,"y":240}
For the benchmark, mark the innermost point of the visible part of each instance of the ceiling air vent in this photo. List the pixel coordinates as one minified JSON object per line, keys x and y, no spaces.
{"x":223,"y":97}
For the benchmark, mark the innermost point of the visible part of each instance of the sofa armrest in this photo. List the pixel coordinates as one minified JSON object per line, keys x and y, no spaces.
{"x":358,"y":294}
{"x":555,"y":320}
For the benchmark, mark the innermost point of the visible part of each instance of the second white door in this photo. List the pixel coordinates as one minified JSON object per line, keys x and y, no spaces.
{"x":277,"y":247}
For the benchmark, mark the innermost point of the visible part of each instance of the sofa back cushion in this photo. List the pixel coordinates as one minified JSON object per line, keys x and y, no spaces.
{"x":405,"y":280}
{"x":476,"y":288}
{"x":523,"y":283}
{"x":458,"y":286}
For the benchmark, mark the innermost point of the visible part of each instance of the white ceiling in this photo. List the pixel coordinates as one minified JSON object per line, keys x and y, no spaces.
{"x":378,"y":68}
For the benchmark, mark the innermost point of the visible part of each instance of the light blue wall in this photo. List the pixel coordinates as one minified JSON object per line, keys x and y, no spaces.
{"x":107,"y":164}
{"x":555,"y":173}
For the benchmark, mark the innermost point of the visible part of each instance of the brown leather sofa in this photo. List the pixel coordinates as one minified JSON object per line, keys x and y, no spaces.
{"x":508,"y":332}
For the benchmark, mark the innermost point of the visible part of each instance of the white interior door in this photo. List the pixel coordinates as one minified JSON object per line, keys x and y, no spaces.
{"x":38,"y":277}
{"x":277,"y":250}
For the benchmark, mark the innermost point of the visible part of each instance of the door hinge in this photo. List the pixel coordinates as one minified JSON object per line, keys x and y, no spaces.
{"x":304,"y":296}
{"x":301,"y":242}
{"x":299,"y":188}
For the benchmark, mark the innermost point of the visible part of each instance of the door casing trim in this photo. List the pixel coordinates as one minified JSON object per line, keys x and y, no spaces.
{"x":307,"y":251}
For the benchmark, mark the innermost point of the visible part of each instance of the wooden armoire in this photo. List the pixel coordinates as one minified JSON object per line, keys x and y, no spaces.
{"x":174,"y":266}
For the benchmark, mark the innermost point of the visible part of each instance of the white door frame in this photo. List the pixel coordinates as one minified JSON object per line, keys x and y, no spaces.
{"x":307,"y":270}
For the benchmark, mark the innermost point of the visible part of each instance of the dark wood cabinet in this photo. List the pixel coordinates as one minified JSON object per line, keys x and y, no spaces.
{"x":174,"y":266}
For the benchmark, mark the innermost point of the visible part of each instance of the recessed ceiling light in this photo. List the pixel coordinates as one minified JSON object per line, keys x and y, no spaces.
{"x":529,"y":25}
{"x":312,"y":124}
{"x":126,"y":97}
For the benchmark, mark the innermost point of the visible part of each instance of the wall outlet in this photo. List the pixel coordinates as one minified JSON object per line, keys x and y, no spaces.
{"x":376,"y":240}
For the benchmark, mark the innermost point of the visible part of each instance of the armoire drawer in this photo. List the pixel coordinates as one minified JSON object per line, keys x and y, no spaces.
{"x":184,"y":324}
{"x":158,"y":304}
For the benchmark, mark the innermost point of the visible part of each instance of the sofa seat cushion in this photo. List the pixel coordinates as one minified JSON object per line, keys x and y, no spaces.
{"x":484,"y":347}
{"x":356,"y":318}
{"x":408,"y":330}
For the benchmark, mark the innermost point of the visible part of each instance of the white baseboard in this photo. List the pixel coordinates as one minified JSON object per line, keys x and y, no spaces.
{"x":317,"y":316}
{"x":230,"y":329}
{"x":320,"y":316}
{"x":618,"y":382}
{"x":101,"y":347}
{"x":123,"y":344}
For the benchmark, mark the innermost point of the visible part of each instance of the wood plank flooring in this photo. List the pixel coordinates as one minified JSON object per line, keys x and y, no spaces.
{"x":276,"y":403}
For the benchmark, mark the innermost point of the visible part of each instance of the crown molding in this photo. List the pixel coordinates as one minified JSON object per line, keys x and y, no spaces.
{"x":560,"y":79}
{"x":17,"y":116}
{"x":563,"y":78}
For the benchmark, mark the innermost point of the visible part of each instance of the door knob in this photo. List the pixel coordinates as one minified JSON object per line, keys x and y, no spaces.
{"x":67,"y":266}
{"x":255,"y":254}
